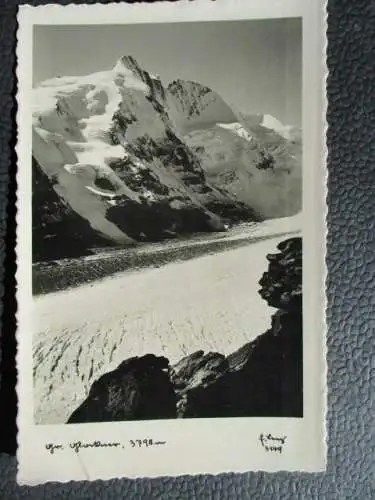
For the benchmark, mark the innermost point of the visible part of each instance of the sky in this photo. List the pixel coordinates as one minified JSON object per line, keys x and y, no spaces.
{"x":256,"y":66}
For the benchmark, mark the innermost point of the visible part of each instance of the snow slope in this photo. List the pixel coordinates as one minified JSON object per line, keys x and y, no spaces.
{"x":208,"y":303}
{"x":70,"y":118}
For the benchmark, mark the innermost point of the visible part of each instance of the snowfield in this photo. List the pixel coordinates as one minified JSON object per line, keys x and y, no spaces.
{"x":210,"y":303}
{"x":285,"y":131}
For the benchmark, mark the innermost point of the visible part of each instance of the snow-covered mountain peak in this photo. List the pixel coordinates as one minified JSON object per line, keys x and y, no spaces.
{"x":137,"y":160}
{"x":132,"y":72}
{"x":130,"y":63}
{"x":126,"y":63}
{"x":289,"y":132}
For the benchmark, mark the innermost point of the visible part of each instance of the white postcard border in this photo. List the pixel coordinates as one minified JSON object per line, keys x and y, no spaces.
{"x":193,"y":446}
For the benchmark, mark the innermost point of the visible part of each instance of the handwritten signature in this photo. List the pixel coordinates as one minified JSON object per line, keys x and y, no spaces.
{"x":272,"y":443}
{"x":77,"y":446}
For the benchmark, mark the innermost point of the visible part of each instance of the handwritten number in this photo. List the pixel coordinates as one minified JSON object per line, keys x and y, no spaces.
{"x":145,"y":443}
{"x":272,"y":443}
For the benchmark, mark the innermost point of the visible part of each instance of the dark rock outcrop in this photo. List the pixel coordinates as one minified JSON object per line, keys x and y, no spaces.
{"x":264,"y":377}
{"x":58,"y":231}
{"x":195,"y":379}
{"x":261,"y":379}
{"x":282,"y":283}
{"x":155,"y":222}
{"x":138,"y":389}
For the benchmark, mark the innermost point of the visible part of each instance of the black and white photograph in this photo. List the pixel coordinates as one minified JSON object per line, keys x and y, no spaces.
{"x":167,"y":213}
{"x":166,"y":207}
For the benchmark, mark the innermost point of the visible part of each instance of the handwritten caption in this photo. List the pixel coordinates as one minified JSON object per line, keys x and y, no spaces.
{"x":272,"y":443}
{"x":77,"y":446}
{"x":269,"y":443}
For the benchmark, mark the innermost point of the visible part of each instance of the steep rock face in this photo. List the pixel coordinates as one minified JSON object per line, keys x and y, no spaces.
{"x":157,"y":91}
{"x":192,"y":105}
{"x":139,"y":389}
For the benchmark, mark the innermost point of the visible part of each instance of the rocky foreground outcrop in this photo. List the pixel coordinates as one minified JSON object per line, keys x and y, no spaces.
{"x":262,"y":378}
{"x":139,"y":389}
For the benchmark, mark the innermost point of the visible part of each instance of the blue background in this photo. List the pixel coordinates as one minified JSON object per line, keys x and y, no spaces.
{"x":351,"y":267}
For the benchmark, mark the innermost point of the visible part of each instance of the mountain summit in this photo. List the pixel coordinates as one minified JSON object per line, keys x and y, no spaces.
{"x":118,"y":158}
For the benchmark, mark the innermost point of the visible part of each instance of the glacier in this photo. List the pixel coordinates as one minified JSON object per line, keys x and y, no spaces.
{"x":209,"y":303}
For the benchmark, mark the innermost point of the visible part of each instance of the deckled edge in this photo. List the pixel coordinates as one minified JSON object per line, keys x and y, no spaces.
{"x":229,"y":6}
{"x":20,"y":11}
{"x":17,"y":219}
{"x":325,"y":70}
